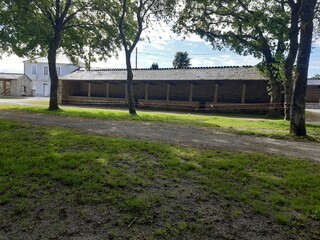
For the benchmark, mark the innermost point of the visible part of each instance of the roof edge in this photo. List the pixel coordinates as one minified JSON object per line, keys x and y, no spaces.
{"x":12,"y":73}
{"x":161,"y":69}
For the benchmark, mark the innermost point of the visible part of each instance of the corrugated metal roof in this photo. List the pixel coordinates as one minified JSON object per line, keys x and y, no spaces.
{"x":10,"y":76}
{"x":170,"y":74}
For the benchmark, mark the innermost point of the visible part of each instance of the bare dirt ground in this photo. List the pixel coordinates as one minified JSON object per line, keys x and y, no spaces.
{"x":200,"y":137}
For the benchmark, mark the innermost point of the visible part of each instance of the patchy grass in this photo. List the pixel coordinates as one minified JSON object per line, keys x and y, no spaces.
{"x":243,"y":124}
{"x":74,"y":184}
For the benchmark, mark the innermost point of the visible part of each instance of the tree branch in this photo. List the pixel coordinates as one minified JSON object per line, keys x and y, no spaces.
{"x":47,"y":12}
{"x":121,"y":22}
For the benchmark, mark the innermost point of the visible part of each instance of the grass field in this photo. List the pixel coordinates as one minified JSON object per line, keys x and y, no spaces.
{"x":72,"y":184}
{"x":242,"y":124}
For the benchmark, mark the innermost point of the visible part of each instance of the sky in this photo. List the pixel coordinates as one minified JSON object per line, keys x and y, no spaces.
{"x":161,"y":45}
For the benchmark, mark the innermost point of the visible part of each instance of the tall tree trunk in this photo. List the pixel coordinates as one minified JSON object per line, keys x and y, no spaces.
{"x":131,"y":103}
{"x":52,"y":55}
{"x":130,"y":47}
{"x":289,"y":62}
{"x":297,"y":116}
{"x":271,"y":68}
{"x":288,"y":88}
{"x":275,"y":110}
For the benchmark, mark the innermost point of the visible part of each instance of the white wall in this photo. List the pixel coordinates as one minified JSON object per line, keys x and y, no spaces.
{"x":41,"y":82}
{"x":315,"y":82}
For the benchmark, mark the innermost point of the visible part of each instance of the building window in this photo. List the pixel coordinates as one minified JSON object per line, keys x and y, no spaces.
{"x":34,"y":70}
{"x":59,"y":71}
{"x":46,"y":70}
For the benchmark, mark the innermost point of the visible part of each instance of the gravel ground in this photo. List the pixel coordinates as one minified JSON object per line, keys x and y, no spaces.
{"x":200,"y":137}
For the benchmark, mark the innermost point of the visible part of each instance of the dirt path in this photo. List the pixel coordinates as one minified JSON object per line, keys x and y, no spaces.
{"x":200,"y":137}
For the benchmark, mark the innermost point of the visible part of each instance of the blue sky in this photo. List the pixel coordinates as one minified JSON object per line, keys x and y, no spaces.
{"x":161,"y":48}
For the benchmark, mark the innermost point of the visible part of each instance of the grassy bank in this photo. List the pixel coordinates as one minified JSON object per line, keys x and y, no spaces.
{"x":72,"y":184}
{"x":243,"y":124}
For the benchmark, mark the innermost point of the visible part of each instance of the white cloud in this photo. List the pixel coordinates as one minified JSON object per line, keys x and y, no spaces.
{"x":11,"y":64}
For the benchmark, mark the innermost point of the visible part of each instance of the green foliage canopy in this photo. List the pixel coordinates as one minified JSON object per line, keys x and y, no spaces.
{"x":44,"y":27}
{"x":29,"y":26}
{"x":154,"y":66}
{"x":181,"y":60}
{"x":259,"y":28}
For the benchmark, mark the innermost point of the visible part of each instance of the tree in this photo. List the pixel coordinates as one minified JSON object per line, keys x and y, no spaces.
{"x":181,"y":60}
{"x":316,"y":76}
{"x":292,"y":55}
{"x":259,"y":28}
{"x":60,"y":25}
{"x":297,"y":121}
{"x":140,"y":12}
{"x":10,"y":13}
{"x":154,"y":66}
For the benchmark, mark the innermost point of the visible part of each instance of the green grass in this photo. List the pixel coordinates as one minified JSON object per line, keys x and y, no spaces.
{"x":243,"y":124}
{"x":141,"y":179}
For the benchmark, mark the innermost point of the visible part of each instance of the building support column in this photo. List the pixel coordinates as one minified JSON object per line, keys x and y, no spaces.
{"x":107,"y":93}
{"x":4,"y":87}
{"x":60,"y":92}
{"x":147,"y":92}
{"x":216,"y":91}
{"x":168,"y":92}
{"x":89,"y":89}
{"x":191,"y":92}
{"x":243,"y":95}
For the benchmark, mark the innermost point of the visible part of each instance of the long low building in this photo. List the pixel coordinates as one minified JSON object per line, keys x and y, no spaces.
{"x":313,"y":93}
{"x":207,"y":88}
{"x":13,"y":84}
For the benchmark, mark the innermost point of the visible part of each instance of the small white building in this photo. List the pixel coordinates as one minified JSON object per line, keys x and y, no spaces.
{"x":37,"y":70}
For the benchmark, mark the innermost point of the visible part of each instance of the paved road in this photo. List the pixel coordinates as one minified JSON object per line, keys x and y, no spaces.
{"x":200,"y":137}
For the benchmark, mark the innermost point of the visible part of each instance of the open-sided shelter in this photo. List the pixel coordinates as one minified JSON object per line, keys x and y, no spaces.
{"x":205,"y":88}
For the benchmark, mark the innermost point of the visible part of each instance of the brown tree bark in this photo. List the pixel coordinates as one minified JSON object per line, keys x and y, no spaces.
{"x":275,"y":83}
{"x":141,"y":13}
{"x":289,"y":62}
{"x":128,"y":50}
{"x":131,"y":103}
{"x":52,"y":55}
{"x":57,"y":20}
{"x":275,"y":110}
{"x":297,"y":113}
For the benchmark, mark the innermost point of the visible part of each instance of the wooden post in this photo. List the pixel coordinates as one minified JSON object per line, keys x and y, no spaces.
{"x":60,"y":88}
{"x":4,"y":87}
{"x":191,"y":92}
{"x":89,"y":89}
{"x":168,"y":92}
{"x":243,"y":96}
{"x":107,"y":93}
{"x":147,"y":92}
{"x":216,"y":91}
